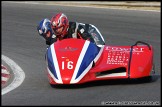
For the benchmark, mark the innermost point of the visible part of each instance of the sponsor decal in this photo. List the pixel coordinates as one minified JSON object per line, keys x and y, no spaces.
{"x":68,"y":48}
{"x":118,"y":55}
{"x":117,"y":58}
{"x":124,"y":49}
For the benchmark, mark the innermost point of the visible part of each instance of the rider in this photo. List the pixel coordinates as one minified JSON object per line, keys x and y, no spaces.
{"x":45,"y":30}
{"x":59,"y":28}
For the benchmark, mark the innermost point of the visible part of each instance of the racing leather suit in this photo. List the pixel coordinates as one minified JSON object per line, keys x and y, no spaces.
{"x":80,"y":30}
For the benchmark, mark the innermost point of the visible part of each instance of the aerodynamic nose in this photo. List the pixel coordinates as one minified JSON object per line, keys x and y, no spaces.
{"x":66,"y":80}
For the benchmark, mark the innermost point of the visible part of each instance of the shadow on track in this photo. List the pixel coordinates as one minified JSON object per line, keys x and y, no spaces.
{"x":149,"y":79}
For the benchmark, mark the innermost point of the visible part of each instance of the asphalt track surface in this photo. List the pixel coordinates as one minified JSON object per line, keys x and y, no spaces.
{"x":21,"y":43}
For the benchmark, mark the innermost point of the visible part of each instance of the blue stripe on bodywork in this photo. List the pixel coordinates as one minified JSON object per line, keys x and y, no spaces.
{"x":51,"y":62}
{"x":89,"y":56}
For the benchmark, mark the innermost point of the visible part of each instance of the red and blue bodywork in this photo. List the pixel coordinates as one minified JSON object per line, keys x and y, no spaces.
{"x":75,"y":61}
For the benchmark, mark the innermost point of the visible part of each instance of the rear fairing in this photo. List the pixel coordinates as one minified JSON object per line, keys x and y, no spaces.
{"x":117,"y":62}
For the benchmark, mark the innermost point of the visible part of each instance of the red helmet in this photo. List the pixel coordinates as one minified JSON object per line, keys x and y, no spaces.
{"x":60,"y":24}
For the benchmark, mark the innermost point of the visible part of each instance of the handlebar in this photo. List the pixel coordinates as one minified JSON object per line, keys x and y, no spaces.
{"x":142,"y":43}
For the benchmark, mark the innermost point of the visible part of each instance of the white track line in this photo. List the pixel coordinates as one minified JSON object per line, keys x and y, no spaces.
{"x":19,"y":75}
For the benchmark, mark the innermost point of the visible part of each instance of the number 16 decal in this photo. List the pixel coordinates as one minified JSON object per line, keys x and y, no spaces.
{"x":69,"y":65}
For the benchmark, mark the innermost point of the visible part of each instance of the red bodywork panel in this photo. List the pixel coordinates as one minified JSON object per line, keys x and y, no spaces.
{"x":114,"y":62}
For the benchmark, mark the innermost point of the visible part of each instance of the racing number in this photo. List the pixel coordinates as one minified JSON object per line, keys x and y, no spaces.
{"x":69,"y":65}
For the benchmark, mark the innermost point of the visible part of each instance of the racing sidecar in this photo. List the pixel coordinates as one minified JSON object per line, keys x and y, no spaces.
{"x":75,"y":61}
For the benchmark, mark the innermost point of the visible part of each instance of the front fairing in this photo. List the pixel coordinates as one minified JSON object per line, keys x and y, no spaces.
{"x":68,"y":61}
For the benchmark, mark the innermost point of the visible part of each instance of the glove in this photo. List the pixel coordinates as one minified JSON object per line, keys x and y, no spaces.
{"x":47,"y":43}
